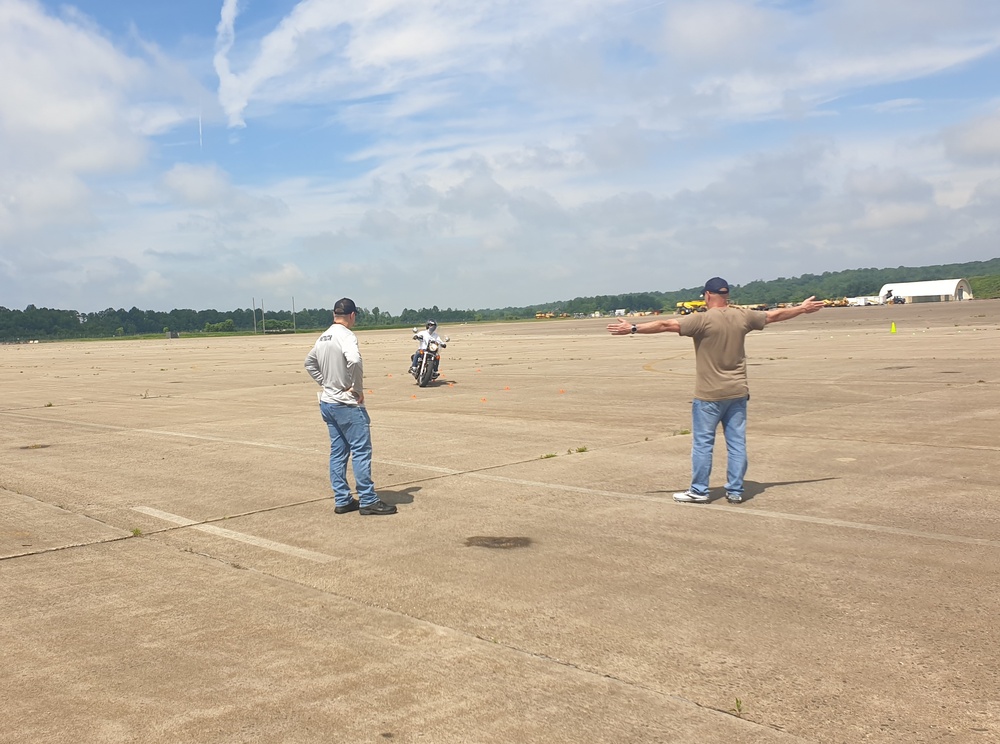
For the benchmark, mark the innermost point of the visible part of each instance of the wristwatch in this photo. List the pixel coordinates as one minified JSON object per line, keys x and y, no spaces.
{"x":634,"y":329}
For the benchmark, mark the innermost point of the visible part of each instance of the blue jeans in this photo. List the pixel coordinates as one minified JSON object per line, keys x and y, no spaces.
{"x":350,"y":437}
{"x":706,"y":415}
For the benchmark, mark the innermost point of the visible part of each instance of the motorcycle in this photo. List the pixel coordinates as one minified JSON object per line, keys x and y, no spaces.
{"x":428,"y":360}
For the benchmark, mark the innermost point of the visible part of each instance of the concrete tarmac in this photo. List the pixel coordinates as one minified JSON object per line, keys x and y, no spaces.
{"x":171,"y":568}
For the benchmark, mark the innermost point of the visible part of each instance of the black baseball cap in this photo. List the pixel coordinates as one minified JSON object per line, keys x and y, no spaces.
{"x":717,"y":285}
{"x":345,"y":306}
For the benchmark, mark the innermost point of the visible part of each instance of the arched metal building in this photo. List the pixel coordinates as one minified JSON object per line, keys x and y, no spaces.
{"x":939,"y":290}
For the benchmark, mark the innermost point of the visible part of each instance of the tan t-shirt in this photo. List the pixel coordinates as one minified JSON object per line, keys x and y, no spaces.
{"x":719,"y":351}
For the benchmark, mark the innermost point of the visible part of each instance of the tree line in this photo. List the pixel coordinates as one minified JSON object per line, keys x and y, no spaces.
{"x":47,"y":323}
{"x":983,"y":276}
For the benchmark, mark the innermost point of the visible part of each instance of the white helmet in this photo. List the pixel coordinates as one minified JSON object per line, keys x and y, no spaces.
{"x":431,"y":325}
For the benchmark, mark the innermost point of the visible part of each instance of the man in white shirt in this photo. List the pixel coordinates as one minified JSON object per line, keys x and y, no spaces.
{"x":335,"y":363}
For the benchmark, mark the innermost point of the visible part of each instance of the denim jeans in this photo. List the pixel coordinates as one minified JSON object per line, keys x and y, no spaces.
{"x":706,"y":415}
{"x":350,"y":437}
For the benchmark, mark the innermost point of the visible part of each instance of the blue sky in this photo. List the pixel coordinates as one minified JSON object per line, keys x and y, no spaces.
{"x":475,"y":153}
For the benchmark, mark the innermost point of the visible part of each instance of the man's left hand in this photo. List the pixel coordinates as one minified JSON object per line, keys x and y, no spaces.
{"x":811,"y":305}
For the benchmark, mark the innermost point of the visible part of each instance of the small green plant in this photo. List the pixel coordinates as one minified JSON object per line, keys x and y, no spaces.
{"x":136,"y":532}
{"x":547,"y":456}
{"x":48,"y":405}
{"x":683,"y":431}
{"x":738,"y":709}
{"x":581,"y":449}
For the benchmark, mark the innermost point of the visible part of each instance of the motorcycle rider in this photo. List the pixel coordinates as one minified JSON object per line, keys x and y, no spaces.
{"x":425,"y":337}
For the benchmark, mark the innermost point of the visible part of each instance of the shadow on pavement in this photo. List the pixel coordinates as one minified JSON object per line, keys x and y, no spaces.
{"x":750,"y":488}
{"x":402,"y":496}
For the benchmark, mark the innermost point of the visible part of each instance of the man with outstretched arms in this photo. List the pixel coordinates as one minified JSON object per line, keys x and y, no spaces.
{"x":721,"y":391}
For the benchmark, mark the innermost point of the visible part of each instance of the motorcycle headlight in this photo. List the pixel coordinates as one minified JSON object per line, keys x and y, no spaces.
{"x":433,"y":346}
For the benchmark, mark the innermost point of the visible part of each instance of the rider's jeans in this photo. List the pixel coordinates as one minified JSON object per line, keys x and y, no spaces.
{"x":706,"y":415}
{"x":415,"y":360}
{"x":350,"y":437}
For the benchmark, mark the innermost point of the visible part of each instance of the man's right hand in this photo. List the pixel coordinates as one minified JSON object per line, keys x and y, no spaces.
{"x":621,"y":327}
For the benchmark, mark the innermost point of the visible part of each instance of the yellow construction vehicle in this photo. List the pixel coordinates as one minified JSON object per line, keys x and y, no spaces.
{"x":691,"y":306}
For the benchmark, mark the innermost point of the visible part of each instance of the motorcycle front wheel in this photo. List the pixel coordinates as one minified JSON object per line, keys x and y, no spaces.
{"x":426,"y":373}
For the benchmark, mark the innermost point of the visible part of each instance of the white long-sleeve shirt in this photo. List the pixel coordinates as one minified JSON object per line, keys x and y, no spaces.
{"x":335,"y":363}
{"x":426,"y":336}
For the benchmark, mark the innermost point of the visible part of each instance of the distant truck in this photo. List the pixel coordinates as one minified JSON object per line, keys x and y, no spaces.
{"x":691,"y":306}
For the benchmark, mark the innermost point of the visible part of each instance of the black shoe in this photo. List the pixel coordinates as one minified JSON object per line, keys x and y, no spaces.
{"x":353,"y":506}
{"x":379,"y":507}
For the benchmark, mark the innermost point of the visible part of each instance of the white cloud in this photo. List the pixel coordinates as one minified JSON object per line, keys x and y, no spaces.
{"x":887,"y":216}
{"x":896,"y":105}
{"x":609,"y":145}
{"x":975,"y":141}
{"x":63,"y":97}
{"x":710,"y":33}
{"x":285,"y":278}
{"x":198,"y":185}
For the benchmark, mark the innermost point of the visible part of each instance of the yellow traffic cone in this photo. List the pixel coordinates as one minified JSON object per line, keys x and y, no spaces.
{"x":892,"y":329}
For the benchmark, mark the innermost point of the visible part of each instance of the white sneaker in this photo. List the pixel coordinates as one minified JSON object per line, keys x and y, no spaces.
{"x":691,"y":496}
{"x":734,"y":498}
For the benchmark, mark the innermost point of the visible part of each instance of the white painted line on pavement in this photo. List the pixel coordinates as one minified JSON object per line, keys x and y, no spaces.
{"x":260,"y":542}
{"x":520,"y":481}
{"x":884,"y":529}
{"x":959,"y":539}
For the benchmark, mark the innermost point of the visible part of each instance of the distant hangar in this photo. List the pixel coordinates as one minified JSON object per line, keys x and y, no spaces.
{"x":939,"y":290}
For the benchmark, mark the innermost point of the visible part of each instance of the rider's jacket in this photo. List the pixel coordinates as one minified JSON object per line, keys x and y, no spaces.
{"x":426,"y":336}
